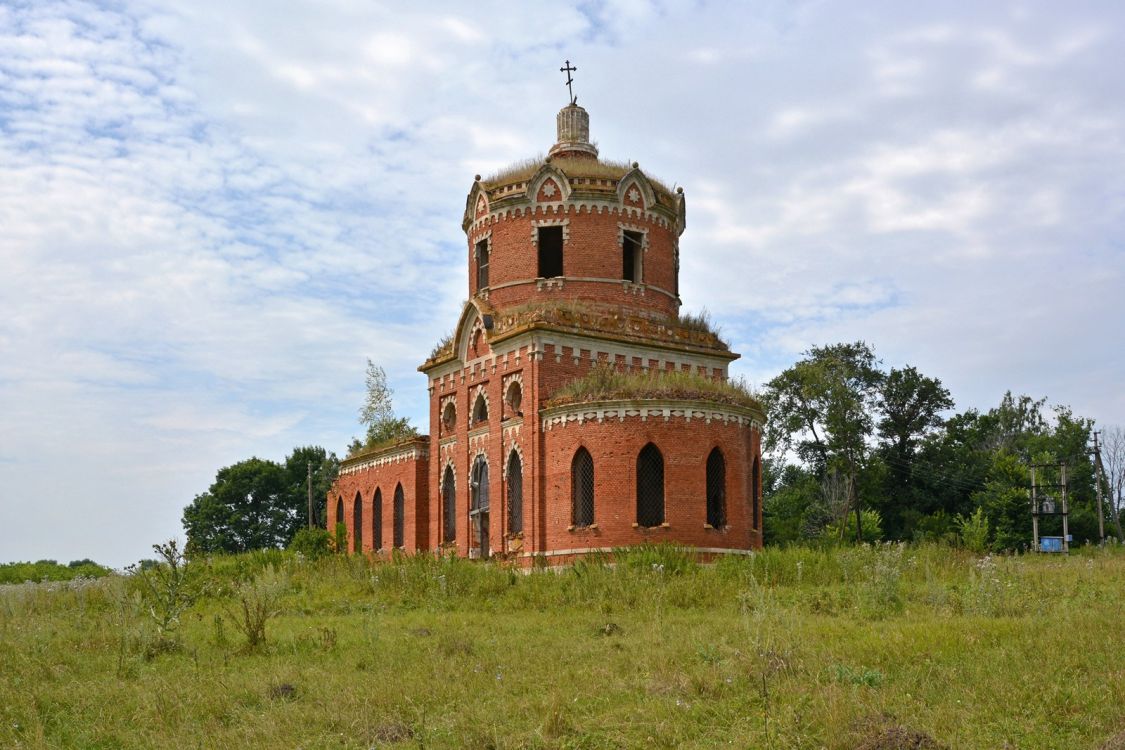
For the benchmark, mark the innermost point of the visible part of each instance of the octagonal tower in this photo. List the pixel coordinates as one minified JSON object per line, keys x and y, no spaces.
{"x":575,"y":227}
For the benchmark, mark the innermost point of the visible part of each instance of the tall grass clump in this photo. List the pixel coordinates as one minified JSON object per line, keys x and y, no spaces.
{"x":167,"y":589}
{"x":256,"y":602}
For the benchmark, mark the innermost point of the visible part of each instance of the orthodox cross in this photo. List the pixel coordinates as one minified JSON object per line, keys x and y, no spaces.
{"x":568,"y":69}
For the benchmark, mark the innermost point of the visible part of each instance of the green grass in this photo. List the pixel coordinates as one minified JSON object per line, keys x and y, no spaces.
{"x":605,"y":383}
{"x":790,"y":648}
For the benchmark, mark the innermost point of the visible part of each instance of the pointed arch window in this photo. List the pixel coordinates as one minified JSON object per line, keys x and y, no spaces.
{"x":449,"y":506}
{"x":479,"y":536}
{"x":399,"y":518}
{"x":650,"y":487}
{"x":377,"y":520}
{"x":716,"y":489}
{"x":582,"y":488}
{"x":339,"y":511}
{"x":357,"y":524}
{"x":756,"y":493}
{"x":515,"y":493}
{"x":480,"y":409}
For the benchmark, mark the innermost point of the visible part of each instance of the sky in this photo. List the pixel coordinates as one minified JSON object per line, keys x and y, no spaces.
{"x":213,"y":212}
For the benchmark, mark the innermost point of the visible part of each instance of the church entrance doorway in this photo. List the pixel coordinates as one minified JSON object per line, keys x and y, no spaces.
{"x":478,"y":510}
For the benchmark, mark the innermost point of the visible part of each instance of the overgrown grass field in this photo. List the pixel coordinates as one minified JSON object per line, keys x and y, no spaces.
{"x":870,"y":647}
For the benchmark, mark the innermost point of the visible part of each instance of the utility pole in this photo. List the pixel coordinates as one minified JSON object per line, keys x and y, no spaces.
{"x":309,"y":466}
{"x":1098,"y":478}
{"x":1065,"y":513}
{"x":1034,"y":511}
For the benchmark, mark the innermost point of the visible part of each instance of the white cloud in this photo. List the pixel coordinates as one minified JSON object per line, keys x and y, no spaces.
{"x":212,"y":213}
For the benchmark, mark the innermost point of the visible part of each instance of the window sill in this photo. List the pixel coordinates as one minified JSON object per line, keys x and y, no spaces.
{"x":664,"y":525}
{"x":590,"y":527}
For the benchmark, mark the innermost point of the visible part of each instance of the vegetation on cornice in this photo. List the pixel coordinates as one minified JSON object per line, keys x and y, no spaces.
{"x":694,"y":330}
{"x":605,"y":169}
{"x":605,"y":383}
{"x":443,"y":348}
{"x":363,"y":450}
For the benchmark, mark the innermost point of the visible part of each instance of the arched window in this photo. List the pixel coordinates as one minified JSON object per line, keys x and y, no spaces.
{"x":480,"y":409}
{"x":716,"y":489}
{"x":479,"y":499}
{"x":650,"y":487}
{"x":400,"y":518}
{"x":357,"y":524}
{"x":377,"y":520}
{"x":515,"y":493}
{"x":339,"y":512}
{"x":478,"y":508}
{"x":756,"y":492}
{"x":449,"y":506}
{"x":582,"y":488}
{"x":514,"y":397}
{"x":449,"y":417}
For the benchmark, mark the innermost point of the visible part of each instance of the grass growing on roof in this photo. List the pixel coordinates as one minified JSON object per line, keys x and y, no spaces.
{"x":604,"y":383}
{"x":606,"y":169}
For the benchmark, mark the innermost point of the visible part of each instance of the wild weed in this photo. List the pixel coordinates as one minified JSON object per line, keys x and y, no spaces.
{"x":258,"y":601}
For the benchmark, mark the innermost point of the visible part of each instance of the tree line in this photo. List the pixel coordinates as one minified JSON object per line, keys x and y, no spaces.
{"x":857,"y":451}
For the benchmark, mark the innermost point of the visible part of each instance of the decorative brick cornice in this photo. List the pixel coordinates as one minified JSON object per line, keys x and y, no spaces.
{"x":646,"y":409}
{"x":414,"y":450}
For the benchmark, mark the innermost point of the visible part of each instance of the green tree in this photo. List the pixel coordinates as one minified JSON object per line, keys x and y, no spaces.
{"x":823,"y":408}
{"x":244,"y":509}
{"x":377,"y":414}
{"x":790,"y":491}
{"x":325,"y":469}
{"x":258,"y":504}
{"x":910,"y":405}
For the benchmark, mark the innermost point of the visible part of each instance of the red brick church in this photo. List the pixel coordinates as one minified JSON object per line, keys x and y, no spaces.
{"x":573,"y":271}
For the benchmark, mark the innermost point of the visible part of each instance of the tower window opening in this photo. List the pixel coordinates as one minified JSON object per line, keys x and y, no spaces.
{"x":515,"y":398}
{"x":482,"y":265}
{"x":550,"y":252}
{"x":631,"y":252}
{"x":650,"y":487}
{"x":716,"y":490}
{"x":582,"y":488}
{"x":480,"y":410}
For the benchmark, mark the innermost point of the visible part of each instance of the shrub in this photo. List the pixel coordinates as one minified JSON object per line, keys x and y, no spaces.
{"x":313,"y":543}
{"x":167,"y":588}
{"x":872,"y":524}
{"x":341,"y":541}
{"x":974,"y":531}
{"x":258,"y":601}
{"x":50,"y":570}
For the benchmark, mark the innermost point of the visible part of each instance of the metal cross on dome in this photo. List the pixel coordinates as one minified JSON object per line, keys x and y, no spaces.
{"x":568,"y":69}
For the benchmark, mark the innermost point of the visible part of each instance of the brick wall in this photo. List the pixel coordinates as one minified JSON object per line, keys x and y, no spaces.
{"x":412,"y":474}
{"x":685,"y":445}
